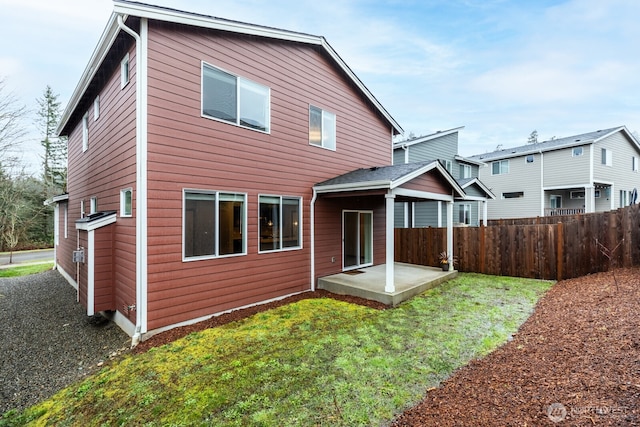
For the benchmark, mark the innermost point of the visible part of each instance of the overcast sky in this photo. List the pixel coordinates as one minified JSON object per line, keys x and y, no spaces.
{"x":500,"y":68}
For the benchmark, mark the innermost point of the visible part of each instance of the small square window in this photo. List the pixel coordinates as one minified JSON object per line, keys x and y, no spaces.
{"x":322,"y":128}
{"x":126,"y":197}
{"x":529,"y":158}
{"x":124,"y":71}
{"x":577,"y":151}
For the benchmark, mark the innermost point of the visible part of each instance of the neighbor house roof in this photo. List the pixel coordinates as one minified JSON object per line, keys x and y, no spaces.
{"x":384,"y":177}
{"x":554,"y":144}
{"x":467,"y":182}
{"x":125,"y":9}
{"x":425,"y":138}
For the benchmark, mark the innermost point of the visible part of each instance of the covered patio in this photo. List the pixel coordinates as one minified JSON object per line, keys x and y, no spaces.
{"x":369,"y":282}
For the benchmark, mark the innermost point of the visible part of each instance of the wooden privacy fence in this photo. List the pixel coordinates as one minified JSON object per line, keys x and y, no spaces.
{"x":533,"y":248}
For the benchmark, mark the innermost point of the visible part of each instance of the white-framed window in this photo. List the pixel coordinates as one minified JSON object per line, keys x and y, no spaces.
{"x":447,"y":164}
{"x":96,"y":108}
{"x":322,"y":128}
{"x":513,"y":195}
{"x":214,"y":224}
{"x":529,"y":158}
{"x":624,"y":199}
{"x":465,"y":171}
{"x":82,"y":211}
{"x":634,"y":164}
{"x":280,"y":223}
{"x":464,"y":214}
{"x":607,"y":157}
{"x":124,"y":71}
{"x":577,"y":194}
{"x":555,"y":201}
{"x":577,"y":151}
{"x":93,"y":208}
{"x":500,"y":167}
{"x":126,"y":202}
{"x":85,"y":132}
{"x":235,"y":100}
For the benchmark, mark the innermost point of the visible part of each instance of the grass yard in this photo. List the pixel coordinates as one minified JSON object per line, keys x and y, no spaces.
{"x":25,"y":270}
{"x":311,"y":363}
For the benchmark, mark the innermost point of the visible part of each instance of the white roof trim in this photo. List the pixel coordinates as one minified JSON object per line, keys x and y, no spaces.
{"x":481,"y":185}
{"x":358,"y":186}
{"x":98,"y":223}
{"x":126,"y":9}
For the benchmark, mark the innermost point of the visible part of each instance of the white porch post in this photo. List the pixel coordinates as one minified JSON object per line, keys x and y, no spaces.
{"x":450,"y":232}
{"x":389,"y":285}
{"x":484,"y":213}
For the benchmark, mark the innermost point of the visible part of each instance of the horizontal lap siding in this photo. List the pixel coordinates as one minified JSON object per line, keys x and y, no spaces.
{"x":64,"y":251}
{"x":189,"y":151}
{"x":83,"y":270}
{"x":103,"y":265}
{"x":108,"y":166}
{"x":431,"y":182}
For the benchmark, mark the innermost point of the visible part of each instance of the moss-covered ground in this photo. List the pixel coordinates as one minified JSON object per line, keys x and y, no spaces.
{"x":316,"y":362}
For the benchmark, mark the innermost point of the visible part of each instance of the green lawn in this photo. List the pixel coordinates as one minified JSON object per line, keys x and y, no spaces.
{"x":25,"y":270}
{"x":317,"y":362}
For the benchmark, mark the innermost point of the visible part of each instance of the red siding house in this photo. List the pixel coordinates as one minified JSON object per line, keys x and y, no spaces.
{"x":213,"y":165}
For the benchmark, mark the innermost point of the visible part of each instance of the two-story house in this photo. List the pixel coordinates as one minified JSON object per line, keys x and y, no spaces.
{"x":470,"y":209}
{"x":591,"y":172}
{"x":216,"y":164}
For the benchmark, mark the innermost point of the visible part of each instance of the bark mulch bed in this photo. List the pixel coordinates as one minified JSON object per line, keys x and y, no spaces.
{"x":574,"y":362}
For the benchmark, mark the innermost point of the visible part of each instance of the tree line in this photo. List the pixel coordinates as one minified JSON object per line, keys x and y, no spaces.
{"x":26,"y":221}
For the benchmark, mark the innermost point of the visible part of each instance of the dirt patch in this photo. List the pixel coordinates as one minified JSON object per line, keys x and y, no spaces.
{"x":174,"y":334}
{"x":575,"y":361}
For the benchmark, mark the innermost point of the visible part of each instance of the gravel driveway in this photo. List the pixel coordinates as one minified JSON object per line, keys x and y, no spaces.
{"x":46,"y":339}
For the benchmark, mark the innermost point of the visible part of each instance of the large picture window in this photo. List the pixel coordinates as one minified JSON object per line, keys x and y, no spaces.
{"x":234,"y":99}
{"x":322,"y":128}
{"x":280,"y":223}
{"x":214,"y":224}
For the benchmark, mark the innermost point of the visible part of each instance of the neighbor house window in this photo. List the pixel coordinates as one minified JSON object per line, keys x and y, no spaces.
{"x":94,"y":205}
{"x":96,"y":108}
{"x":607,"y":157}
{"x":634,"y":164}
{"x":124,"y":71}
{"x":234,"y":99}
{"x":577,"y":194}
{"x":577,"y":151}
{"x":624,"y":201}
{"x":555,"y":201}
{"x":529,"y":158}
{"x":214,"y":224}
{"x":500,"y":167}
{"x":280,"y":223}
{"x":85,"y":132}
{"x":465,"y":171}
{"x":447,"y":164}
{"x":464,"y":214}
{"x":596,"y":194}
{"x":513,"y":195}
{"x":126,"y":202}
{"x":322,"y":128}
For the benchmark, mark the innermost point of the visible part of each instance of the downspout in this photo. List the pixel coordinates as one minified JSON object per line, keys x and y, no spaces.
{"x":141,"y":183}
{"x":312,"y":220}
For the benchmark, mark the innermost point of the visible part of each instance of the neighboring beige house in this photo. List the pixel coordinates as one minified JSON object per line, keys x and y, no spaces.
{"x":592,"y":172}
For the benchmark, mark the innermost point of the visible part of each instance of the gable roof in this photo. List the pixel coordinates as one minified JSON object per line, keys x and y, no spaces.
{"x":554,"y":144}
{"x":384,"y":177}
{"x":468,"y":182}
{"x":125,"y":8}
{"x":425,"y":138}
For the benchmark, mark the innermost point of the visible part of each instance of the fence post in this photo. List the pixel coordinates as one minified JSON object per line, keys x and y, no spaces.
{"x":481,"y":257}
{"x":559,"y":250}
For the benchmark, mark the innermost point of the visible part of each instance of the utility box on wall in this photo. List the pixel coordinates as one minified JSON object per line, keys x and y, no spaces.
{"x":78,"y":256}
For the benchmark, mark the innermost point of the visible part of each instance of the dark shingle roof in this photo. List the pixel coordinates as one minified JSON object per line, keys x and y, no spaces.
{"x":554,"y":144}
{"x":375,"y":174}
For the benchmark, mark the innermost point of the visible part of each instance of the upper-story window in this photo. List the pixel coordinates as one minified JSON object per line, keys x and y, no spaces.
{"x":322,"y":128}
{"x":234,"y":99}
{"x":94,"y":205}
{"x":124,"y":71}
{"x":529,"y":158}
{"x":500,"y":167}
{"x":85,"y":132}
{"x":126,"y":202}
{"x":607,"y":157}
{"x":634,"y":164}
{"x":465,"y":171}
{"x":96,"y":108}
{"x":448,"y":165}
{"x":577,"y":151}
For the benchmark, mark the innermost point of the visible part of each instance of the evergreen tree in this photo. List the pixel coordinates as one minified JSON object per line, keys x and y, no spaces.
{"x":54,"y":162}
{"x":533,"y":137}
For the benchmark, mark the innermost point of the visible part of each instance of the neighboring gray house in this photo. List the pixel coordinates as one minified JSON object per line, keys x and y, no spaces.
{"x":592,"y":172}
{"x":469,"y":209}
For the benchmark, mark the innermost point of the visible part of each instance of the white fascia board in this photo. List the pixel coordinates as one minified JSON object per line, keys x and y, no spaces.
{"x":482,"y":186}
{"x":568,"y":186}
{"x":426,"y":138}
{"x":472,"y":198}
{"x":426,"y":195}
{"x":358,"y":186}
{"x":109,"y":35}
{"x":94,"y":225}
